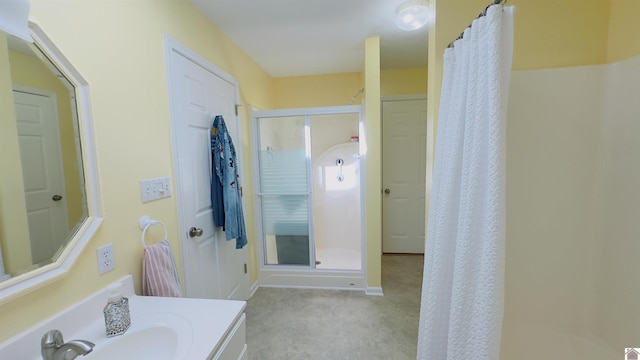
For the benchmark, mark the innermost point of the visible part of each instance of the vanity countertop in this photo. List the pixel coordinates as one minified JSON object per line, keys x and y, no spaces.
{"x":206,"y":322}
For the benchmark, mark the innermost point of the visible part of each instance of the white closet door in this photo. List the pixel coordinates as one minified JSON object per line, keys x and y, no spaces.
{"x":404,"y":139}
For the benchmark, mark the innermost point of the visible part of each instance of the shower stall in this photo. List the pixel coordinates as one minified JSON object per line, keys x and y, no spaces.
{"x":308,"y":166}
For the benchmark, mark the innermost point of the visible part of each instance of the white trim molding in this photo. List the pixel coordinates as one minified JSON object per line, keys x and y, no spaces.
{"x":374,"y":291}
{"x":311,"y":279}
{"x":254,"y":287}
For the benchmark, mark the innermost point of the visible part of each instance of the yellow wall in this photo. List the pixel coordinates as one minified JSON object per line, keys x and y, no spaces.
{"x":434,"y":83}
{"x":373,"y":162}
{"x":551,"y":33}
{"x":340,"y":89}
{"x":403,"y":81}
{"x":624,"y":30}
{"x":317,"y":90}
{"x":125,"y":66}
{"x":13,"y":209}
{"x":31,"y":72}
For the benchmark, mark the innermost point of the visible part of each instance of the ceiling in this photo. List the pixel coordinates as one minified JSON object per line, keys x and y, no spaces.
{"x":305,"y":37}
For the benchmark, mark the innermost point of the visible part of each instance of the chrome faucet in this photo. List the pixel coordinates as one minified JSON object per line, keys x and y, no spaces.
{"x":54,"y":348}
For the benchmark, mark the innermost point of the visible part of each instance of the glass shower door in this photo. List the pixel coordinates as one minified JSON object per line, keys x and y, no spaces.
{"x":336,"y":186}
{"x":284,"y":190}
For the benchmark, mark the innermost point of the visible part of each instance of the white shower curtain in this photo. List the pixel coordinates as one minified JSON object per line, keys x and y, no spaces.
{"x":462,"y":292}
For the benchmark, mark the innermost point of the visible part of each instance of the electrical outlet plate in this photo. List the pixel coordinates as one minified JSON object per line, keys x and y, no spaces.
{"x":106,"y":260}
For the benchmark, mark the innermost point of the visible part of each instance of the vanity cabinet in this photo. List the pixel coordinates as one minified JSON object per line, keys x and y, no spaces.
{"x":234,"y":346}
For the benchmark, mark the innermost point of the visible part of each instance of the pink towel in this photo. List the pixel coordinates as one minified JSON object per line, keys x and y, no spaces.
{"x":159,"y":272}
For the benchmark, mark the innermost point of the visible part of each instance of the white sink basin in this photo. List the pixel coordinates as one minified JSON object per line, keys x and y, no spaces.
{"x":160,"y":336}
{"x":155,"y":343}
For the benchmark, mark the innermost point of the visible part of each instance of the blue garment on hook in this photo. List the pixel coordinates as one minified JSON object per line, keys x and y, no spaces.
{"x":217,"y":202}
{"x":224,"y":158}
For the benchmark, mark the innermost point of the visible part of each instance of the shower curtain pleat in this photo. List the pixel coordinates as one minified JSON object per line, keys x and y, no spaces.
{"x":463,"y":284}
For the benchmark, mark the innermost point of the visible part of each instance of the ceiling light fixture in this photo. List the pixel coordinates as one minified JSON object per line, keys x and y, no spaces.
{"x":412,"y":15}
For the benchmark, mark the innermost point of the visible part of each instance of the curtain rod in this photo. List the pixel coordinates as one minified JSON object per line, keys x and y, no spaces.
{"x":483,"y":13}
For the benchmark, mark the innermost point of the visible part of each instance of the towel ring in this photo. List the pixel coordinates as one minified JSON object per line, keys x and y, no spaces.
{"x":145,"y":223}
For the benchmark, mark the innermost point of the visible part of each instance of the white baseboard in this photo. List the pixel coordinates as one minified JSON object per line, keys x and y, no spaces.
{"x":252,"y":290}
{"x":312,"y":279}
{"x":373,"y":291}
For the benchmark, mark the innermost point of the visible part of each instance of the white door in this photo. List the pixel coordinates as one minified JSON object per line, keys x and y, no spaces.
{"x":41,"y":155}
{"x":213,"y":267}
{"x":404,"y":140}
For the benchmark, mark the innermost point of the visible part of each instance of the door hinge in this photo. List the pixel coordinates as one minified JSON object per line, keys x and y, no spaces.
{"x":237,"y":106}
{"x":241,"y":194}
{"x":245,"y":268}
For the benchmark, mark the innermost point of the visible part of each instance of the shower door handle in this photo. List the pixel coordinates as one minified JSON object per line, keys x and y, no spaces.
{"x":387,"y":191}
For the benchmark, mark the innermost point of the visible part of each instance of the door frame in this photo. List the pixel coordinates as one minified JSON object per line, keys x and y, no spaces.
{"x":429,"y":156}
{"x":292,"y":276}
{"x":174,"y":46}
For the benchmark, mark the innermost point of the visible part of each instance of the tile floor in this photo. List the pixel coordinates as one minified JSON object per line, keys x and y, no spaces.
{"x":292,"y":324}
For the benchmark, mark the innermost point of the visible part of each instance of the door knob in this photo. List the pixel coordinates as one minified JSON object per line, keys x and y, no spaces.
{"x":387,"y":191}
{"x":193,"y":232}
{"x":56,"y":198}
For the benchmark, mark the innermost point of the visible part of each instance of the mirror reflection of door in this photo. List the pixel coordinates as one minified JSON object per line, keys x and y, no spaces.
{"x":42,"y":92}
{"x":44,"y":185}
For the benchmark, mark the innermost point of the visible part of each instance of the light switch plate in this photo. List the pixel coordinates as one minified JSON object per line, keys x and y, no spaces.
{"x":154,"y":189}
{"x":145,"y":191}
{"x":164,"y":187}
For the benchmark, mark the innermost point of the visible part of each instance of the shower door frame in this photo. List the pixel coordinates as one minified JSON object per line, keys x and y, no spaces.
{"x":301,"y":276}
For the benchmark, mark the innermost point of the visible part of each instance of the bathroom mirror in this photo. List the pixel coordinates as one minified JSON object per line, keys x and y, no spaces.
{"x":48,"y":186}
